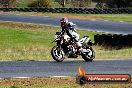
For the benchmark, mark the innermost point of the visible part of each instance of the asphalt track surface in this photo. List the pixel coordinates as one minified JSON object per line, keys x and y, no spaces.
{"x":96,"y":25}
{"x":66,"y":68}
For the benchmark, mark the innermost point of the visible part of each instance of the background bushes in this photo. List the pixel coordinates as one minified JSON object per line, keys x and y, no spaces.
{"x":67,"y":3}
{"x":41,"y":3}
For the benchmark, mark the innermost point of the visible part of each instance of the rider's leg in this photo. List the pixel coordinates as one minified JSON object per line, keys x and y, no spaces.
{"x":76,"y":37}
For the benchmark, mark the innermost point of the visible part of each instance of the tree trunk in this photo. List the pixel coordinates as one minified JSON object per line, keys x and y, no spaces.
{"x":63,"y":3}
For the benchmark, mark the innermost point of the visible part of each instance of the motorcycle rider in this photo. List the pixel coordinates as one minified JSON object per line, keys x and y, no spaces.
{"x":69,"y":28}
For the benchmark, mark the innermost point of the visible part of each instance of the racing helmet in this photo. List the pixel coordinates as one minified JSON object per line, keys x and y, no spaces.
{"x":63,"y":21}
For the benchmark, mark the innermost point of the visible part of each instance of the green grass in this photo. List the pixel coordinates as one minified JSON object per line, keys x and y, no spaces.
{"x":16,"y":43}
{"x":103,"y":53}
{"x":15,"y":37}
{"x":33,"y":42}
{"x":6,"y":87}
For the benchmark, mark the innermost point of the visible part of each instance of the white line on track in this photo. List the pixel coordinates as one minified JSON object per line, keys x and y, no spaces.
{"x":21,"y":77}
{"x":30,"y":15}
{"x":59,"y":76}
{"x":121,"y":21}
{"x":36,"y":77}
{"x":105,"y":20}
{"x":93,"y":19}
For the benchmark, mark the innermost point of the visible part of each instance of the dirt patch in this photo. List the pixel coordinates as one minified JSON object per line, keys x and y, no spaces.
{"x":33,"y":82}
{"x":58,"y":82}
{"x":37,"y":81}
{"x":28,"y":26}
{"x":19,"y":25}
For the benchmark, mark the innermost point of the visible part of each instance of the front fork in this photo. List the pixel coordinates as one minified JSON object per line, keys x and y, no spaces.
{"x":58,"y":43}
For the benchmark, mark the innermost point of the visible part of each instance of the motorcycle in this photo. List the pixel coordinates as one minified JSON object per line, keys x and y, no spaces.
{"x":65,"y":47}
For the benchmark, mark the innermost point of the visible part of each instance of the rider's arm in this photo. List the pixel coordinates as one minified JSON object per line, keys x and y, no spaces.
{"x":72,"y":26}
{"x":63,"y":31}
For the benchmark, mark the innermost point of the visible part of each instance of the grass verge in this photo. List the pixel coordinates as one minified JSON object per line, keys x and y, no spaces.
{"x":20,"y":41}
{"x":54,"y":83}
{"x":112,"y":17}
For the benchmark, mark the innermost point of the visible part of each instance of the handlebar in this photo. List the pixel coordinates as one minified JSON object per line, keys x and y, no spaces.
{"x":56,"y":38}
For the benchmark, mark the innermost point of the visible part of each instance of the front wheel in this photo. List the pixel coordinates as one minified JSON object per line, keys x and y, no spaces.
{"x":89,"y":55}
{"x":57,"y":54}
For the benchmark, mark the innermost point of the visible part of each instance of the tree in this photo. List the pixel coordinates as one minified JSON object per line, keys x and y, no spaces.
{"x":41,"y":3}
{"x":75,"y":3}
{"x":7,"y":3}
{"x":61,"y":2}
{"x":116,"y":3}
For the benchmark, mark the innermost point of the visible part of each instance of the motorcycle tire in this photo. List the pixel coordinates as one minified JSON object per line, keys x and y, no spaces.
{"x":57,"y":57}
{"x":87,"y":57}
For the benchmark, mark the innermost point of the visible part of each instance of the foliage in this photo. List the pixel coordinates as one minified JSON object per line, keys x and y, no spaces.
{"x":67,"y":3}
{"x":119,"y":3}
{"x":81,"y":3}
{"x":13,"y":87}
{"x":41,"y":3}
{"x":114,"y":3}
{"x":7,"y":3}
{"x":75,"y":3}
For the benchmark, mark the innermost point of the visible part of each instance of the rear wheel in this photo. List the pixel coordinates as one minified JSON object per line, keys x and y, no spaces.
{"x":57,"y":54}
{"x":89,"y":55}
